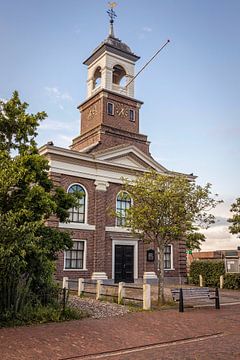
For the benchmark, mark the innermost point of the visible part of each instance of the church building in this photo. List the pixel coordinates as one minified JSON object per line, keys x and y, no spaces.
{"x":108,"y":148}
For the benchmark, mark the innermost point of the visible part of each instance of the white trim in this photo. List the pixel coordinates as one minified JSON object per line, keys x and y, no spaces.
{"x":135,"y":255}
{"x":101,"y":185}
{"x":131,"y":201}
{"x":117,"y":229}
{"x":86,"y":201}
{"x":74,"y":225}
{"x":105,"y":156}
{"x":84,"y":257}
{"x":171,"y":268}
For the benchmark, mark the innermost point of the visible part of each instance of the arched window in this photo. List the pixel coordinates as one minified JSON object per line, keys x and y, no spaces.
{"x":119,"y":75}
{"x":97,"y":77}
{"x":78,"y":214}
{"x":124,"y":202}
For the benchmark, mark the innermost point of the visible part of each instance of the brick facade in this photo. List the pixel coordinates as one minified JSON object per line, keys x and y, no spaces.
{"x":105,"y":138}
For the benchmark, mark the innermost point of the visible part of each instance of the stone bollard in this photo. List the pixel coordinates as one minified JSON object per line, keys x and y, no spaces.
{"x":121,"y":292}
{"x":146,"y":296}
{"x":200,"y":280}
{"x":65,"y":282}
{"x":221,"y":281}
{"x":80,"y":286}
{"x":98,"y":289}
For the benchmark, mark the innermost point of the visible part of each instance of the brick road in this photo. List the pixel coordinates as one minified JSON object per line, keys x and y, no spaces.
{"x":203,"y":333}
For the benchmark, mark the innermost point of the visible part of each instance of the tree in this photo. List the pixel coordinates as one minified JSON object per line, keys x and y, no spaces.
{"x":27,"y":199}
{"x":166,"y":209}
{"x":235,"y":220}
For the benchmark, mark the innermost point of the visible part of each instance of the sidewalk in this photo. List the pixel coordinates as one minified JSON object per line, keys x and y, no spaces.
{"x":195,"y":334}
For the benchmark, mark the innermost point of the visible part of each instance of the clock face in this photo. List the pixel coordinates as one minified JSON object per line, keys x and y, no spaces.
{"x":121,"y":110}
{"x":92,"y":112}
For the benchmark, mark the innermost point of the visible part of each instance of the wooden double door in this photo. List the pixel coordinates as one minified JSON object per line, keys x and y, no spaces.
{"x":124,"y":263}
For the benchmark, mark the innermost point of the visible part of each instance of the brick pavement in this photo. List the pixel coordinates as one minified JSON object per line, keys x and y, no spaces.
{"x":143,"y":329}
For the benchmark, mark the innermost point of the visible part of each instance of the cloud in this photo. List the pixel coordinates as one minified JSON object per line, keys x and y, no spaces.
{"x":55,"y":94}
{"x":147,"y":29}
{"x":219,"y":238}
{"x":144,"y":31}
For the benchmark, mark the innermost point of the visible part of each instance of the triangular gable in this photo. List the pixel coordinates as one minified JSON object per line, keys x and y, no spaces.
{"x":131,"y":157}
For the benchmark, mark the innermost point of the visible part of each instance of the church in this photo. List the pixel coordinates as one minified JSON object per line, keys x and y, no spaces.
{"x":108,"y":148}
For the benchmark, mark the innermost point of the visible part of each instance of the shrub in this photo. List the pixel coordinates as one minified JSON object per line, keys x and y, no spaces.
{"x":42,"y":314}
{"x":232,"y":281}
{"x":210,"y":271}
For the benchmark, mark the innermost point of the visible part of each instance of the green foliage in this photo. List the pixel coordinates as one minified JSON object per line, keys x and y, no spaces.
{"x":210,"y":271}
{"x":194,"y":240}
{"x":235,"y":220}
{"x":232,"y":281}
{"x":167,"y":209}
{"x":28,"y":198}
{"x":42,"y":314}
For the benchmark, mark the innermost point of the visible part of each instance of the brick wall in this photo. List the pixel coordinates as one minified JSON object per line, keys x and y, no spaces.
{"x":99,"y":242}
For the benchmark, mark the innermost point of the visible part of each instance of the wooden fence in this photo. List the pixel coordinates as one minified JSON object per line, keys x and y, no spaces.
{"x":121,"y":292}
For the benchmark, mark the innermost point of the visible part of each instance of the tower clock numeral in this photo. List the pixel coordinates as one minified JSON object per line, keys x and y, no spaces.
{"x":92,"y":112}
{"x":122,"y":111}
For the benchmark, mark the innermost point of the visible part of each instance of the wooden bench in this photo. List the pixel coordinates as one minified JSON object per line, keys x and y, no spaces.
{"x":181,"y":294}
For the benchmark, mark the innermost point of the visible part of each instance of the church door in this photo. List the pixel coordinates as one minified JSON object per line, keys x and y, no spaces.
{"x":124,"y":260}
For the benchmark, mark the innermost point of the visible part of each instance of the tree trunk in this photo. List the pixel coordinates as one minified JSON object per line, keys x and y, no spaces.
{"x":161,"y":298}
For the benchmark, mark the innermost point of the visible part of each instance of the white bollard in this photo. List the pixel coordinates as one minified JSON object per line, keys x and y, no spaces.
{"x":80,"y":286}
{"x":121,"y":292}
{"x":146,"y":296}
{"x":221,"y":281}
{"x":200,"y":280}
{"x":65,"y":282}
{"x":98,"y":289}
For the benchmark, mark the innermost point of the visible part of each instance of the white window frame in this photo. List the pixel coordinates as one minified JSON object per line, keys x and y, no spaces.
{"x":84,"y":257}
{"x":113,"y":108}
{"x":171,"y":268}
{"x":120,"y":226}
{"x":86,"y":205}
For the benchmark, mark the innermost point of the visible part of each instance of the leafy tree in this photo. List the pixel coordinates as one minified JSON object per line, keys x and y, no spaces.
{"x":166,"y":209}
{"x":235,"y":220}
{"x":27,"y":199}
{"x":194,"y":240}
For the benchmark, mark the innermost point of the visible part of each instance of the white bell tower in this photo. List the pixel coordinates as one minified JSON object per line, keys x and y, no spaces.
{"x":111,"y":66}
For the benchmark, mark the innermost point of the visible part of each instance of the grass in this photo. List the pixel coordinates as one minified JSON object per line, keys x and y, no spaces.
{"x":41,"y":315}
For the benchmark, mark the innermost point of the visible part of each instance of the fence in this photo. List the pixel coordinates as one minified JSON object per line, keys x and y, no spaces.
{"x":121,"y":292}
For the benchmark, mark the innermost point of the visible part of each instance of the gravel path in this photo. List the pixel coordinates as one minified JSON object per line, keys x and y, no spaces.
{"x":97,"y":309}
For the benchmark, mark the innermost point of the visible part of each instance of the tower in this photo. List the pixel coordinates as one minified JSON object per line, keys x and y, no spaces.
{"x":110,"y":113}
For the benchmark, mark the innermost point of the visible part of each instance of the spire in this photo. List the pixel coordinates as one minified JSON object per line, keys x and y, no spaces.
{"x":112,"y":15}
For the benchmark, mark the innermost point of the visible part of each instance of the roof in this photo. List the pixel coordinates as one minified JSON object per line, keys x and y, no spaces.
{"x":114,"y":45}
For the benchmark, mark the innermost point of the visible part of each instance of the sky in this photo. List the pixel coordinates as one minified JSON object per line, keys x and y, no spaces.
{"x":191,"y":91}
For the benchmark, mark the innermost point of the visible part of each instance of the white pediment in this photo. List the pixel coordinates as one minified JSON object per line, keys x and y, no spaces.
{"x":131,"y":157}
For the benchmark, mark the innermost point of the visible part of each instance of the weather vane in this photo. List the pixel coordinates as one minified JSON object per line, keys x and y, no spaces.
{"x":111,"y":12}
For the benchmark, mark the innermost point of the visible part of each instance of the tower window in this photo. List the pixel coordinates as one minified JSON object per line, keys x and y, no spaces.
{"x":97,"y":77}
{"x":119,"y":75}
{"x":132,"y":115}
{"x":110,"y":108}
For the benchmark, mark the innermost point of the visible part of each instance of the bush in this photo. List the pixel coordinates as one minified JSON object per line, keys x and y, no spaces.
{"x":42,"y":314}
{"x":232,"y":281}
{"x":210,"y":271}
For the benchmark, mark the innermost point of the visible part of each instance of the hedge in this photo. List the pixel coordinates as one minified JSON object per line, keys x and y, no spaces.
{"x":210,"y":271}
{"x":232,"y":281}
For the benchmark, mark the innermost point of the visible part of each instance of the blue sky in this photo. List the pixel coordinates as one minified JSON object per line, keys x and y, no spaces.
{"x":191,"y":91}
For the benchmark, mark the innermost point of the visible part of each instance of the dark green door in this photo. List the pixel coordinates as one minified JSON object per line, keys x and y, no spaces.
{"x":124,"y":261}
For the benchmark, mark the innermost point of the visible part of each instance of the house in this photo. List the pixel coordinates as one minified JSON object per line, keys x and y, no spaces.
{"x":231,"y":258}
{"x":108,"y":148}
